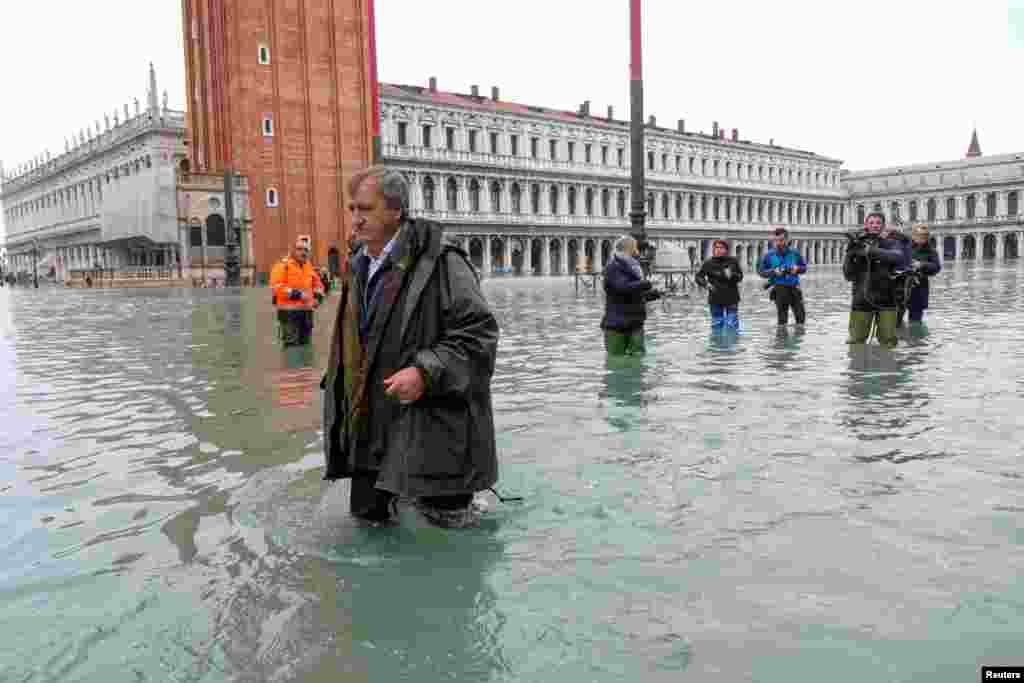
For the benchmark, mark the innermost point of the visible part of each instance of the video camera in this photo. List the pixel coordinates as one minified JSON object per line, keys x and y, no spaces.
{"x":859,"y":242}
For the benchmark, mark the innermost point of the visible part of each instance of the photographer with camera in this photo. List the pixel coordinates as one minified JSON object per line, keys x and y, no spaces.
{"x":925,"y":263}
{"x":782,"y":266}
{"x":876,"y":260}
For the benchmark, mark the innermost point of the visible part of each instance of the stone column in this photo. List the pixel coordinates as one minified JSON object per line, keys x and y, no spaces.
{"x":959,"y":242}
{"x":1000,"y":247}
{"x":507,"y":251}
{"x":545,"y":255}
{"x":488,"y":265}
{"x":527,"y":256}
{"x":563,"y":253}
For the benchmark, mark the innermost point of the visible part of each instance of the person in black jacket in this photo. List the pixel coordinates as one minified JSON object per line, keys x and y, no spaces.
{"x":721,"y":275}
{"x":626,"y":296}
{"x":874,"y":262}
{"x":925,"y":263}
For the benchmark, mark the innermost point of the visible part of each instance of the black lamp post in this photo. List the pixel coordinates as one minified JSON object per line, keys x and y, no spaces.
{"x":231,"y":265}
{"x":638,"y":204}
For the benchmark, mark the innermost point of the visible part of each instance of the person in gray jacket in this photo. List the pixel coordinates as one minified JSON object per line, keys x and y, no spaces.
{"x":407,"y":392}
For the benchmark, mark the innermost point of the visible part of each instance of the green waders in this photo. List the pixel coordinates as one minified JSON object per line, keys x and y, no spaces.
{"x":624,"y":343}
{"x":860,"y":327}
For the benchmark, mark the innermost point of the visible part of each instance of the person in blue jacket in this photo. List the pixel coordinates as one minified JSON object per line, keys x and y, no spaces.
{"x":626,"y":296}
{"x":925,"y":263}
{"x":782,"y":266}
{"x":875,"y":262}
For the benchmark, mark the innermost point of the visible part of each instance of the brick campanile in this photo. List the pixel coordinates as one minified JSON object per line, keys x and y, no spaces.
{"x":281,"y":91}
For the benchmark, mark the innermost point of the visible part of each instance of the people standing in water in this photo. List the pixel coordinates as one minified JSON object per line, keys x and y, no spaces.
{"x":782,"y":266}
{"x":874,"y":260}
{"x":721,"y":275}
{"x":626,"y":296}
{"x":297,"y":292}
{"x":924,"y":260}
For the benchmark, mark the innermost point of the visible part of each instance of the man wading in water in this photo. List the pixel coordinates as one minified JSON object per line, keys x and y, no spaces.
{"x":782,"y":266}
{"x":407,"y":393}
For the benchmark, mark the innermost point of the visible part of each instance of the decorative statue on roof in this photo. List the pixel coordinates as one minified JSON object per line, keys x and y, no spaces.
{"x":106,"y":119}
{"x":116,"y":121}
{"x":67,"y":146}
{"x":165,"y":102}
{"x":126,"y":114}
{"x":137,"y":109}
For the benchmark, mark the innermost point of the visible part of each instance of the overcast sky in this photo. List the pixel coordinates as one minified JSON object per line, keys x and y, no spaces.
{"x":874,"y":83}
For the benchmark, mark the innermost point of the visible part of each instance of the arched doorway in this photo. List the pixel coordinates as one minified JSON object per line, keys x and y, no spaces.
{"x":476,"y":253}
{"x":536,"y":256}
{"x":517,"y":256}
{"x":969,"y":248}
{"x":949,"y":249}
{"x":556,"y":257}
{"x":739,"y":253}
{"x":215,"y":233}
{"x":589,"y":249}
{"x":498,"y":256}
{"x":1010,"y":247}
{"x":988,"y":250}
{"x":333,"y":262}
{"x":606,"y":252}
{"x":705,"y":246}
{"x":691,"y":252}
{"x":574,"y":255}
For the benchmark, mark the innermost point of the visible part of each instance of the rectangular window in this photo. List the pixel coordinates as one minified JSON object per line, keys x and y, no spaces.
{"x":622,"y":157}
{"x":514,"y":141}
{"x":449,"y":134}
{"x":494,"y":143}
{"x":472,"y":141}
{"x":650,"y":161}
{"x":533,"y":147}
{"x":426,"y":136}
{"x":402,"y":125}
{"x":553,"y":144}
{"x":268,"y":125}
{"x":572,"y":151}
{"x":604,"y":154}
{"x":586,"y":153}
{"x":264,"y":54}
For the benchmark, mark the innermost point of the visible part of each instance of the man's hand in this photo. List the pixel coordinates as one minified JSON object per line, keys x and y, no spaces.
{"x":294,"y":295}
{"x":406,"y":385}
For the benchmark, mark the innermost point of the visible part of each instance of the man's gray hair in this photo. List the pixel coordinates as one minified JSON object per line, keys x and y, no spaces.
{"x":619,"y":247}
{"x":390,"y":183}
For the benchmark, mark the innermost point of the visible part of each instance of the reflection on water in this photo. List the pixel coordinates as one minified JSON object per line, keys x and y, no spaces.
{"x":699,"y":511}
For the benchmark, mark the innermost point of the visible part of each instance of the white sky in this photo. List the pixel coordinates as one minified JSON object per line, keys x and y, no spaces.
{"x":803,"y":72}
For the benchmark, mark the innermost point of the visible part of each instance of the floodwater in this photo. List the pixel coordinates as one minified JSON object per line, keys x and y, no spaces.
{"x":776,"y":507}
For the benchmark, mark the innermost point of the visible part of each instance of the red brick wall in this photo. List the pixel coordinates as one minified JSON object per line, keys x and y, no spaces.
{"x":316,"y":88}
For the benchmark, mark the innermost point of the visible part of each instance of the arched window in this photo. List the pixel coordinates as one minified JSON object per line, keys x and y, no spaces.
{"x":272,"y":197}
{"x":553,"y":199}
{"x":913,"y":210}
{"x":451,"y":190}
{"x":972,"y":206}
{"x":716,"y":168}
{"x":428,"y":193}
{"x":664,"y":205}
{"x":516,"y":197}
{"x":728,"y":169}
{"x":588,"y":202}
{"x":622,"y":202}
{"x":1012,"y":204}
{"x":535,"y":198}
{"x":990,"y":204}
{"x":605,"y":202}
{"x":572,"y":201}
{"x":760,"y":210}
{"x":495,"y":197}
{"x":679,"y":206}
{"x":650,"y":204}
{"x":714,"y":208}
{"x":950,"y":207}
{"x":215,"y":235}
{"x":474,"y":195}
{"x":932,"y":209}
{"x":704,"y":207}
{"x":195,"y":234}
{"x":703,"y":166}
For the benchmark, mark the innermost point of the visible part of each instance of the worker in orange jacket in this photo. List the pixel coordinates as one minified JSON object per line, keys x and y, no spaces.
{"x":298,"y":291}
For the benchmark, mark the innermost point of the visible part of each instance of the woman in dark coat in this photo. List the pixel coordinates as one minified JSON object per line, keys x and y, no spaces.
{"x":925,"y":261}
{"x":721,"y":275}
{"x":626,"y":296}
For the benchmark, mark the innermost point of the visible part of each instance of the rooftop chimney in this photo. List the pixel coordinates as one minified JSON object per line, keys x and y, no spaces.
{"x":735,"y":134}
{"x":611,"y":112}
{"x":714,"y":129}
{"x":494,"y":93}
{"x":682,"y":125}
{"x":721,"y":133}
{"x":652,"y":122}
{"x":433,"y":84}
{"x":585,"y":108}
{"x":474,"y":90}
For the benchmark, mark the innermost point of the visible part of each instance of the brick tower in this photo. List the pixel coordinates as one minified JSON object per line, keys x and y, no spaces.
{"x":281,"y":91}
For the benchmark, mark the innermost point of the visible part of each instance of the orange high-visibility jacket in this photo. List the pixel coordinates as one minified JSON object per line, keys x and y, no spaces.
{"x":288,"y":274}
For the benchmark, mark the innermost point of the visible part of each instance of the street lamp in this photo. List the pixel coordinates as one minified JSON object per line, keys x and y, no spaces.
{"x":35,"y":262}
{"x":638,"y":205}
{"x":231,"y":265}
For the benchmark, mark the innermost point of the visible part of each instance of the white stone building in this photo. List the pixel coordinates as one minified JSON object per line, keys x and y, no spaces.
{"x":973,"y":207}
{"x":533,"y":190}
